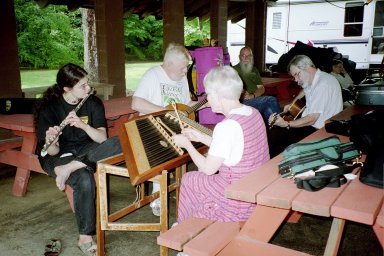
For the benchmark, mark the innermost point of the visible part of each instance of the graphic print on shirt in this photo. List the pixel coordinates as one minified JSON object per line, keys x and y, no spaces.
{"x":84,"y":119}
{"x":170,"y":93}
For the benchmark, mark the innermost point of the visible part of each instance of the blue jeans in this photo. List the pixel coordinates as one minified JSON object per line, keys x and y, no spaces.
{"x":82,"y":180}
{"x":267,"y":105}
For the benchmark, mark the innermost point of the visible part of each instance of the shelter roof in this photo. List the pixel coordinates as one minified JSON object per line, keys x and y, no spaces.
{"x":143,"y":8}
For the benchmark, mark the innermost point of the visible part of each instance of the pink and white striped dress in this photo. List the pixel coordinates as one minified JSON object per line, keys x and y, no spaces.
{"x":202,"y":195}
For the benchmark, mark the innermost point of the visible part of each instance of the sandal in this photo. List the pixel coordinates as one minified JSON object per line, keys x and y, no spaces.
{"x":89,"y":248}
{"x":52,"y":247}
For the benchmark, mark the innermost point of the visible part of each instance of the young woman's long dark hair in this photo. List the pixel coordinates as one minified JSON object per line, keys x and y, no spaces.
{"x":67,"y":76}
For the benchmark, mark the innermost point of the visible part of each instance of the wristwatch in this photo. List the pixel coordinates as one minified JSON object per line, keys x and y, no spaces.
{"x":288,"y":126}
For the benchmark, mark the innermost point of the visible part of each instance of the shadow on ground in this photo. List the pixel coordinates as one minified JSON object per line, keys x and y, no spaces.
{"x":27,"y":222}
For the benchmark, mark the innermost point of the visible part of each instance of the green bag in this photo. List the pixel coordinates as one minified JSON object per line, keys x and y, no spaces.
{"x":304,"y":156}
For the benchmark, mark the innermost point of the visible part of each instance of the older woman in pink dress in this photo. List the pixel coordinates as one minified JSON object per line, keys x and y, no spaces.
{"x":238,"y":146}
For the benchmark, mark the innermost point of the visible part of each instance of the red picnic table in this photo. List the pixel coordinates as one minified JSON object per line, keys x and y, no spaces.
{"x":279,"y":200}
{"x":278,"y":197}
{"x":117,"y":111}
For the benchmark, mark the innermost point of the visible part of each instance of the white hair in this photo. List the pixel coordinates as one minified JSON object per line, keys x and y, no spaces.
{"x":225,"y":81}
{"x":176,"y":52}
{"x":302,"y":62}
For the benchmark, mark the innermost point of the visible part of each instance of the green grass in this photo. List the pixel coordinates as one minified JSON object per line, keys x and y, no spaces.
{"x":44,"y":78}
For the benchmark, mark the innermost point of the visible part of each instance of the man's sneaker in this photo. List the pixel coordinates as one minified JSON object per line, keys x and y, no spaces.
{"x":155,"y":205}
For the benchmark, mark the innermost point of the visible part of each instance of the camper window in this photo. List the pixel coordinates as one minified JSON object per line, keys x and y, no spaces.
{"x":378,"y":29}
{"x":353,"y":20}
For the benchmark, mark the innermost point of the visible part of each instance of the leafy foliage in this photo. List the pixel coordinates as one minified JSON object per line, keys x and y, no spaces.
{"x":52,"y":36}
{"x":143,"y":38}
{"x":48,"y":38}
{"x":195,"y":31}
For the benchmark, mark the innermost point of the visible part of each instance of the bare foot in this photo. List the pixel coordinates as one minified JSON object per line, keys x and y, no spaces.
{"x":62,"y":174}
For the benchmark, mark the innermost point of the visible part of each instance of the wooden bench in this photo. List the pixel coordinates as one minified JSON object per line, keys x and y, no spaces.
{"x":245,"y":247}
{"x":103,"y":89}
{"x":10,"y":143}
{"x":378,"y":228}
{"x":225,"y":238}
{"x":191,"y":236}
{"x":34,"y":92}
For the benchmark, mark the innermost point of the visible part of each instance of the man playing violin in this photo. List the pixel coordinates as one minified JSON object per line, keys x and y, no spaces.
{"x":323,"y":100}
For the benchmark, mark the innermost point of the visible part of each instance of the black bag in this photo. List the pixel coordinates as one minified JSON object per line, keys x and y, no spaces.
{"x":311,"y":155}
{"x":319,"y":163}
{"x":367,"y":132}
{"x":334,"y":178}
{"x":340,"y":127}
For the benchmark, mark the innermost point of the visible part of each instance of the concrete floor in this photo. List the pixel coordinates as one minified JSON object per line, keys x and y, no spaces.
{"x":27,"y":222}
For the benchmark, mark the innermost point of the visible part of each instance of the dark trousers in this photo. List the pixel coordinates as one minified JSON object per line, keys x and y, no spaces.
{"x":82,"y":180}
{"x":279,"y":138}
{"x":267,"y":105}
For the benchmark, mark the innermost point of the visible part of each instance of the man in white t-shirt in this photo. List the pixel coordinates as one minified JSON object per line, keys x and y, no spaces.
{"x":323,"y":100}
{"x":161,"y":85}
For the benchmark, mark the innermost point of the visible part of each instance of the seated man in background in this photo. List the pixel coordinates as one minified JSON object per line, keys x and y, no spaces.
{"x":161,"y":85}
{"x":253,"y":88}
{"x":340,"y":74}
{"x":345,"y":81}
{"x":323,"y":100}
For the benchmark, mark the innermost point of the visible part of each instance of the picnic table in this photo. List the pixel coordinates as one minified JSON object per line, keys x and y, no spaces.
{"x":279,"y":197}
{"x":117,"y":111}
{"x":278,"y":201}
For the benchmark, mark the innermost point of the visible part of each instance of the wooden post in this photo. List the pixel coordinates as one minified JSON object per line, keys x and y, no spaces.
{"x":110,"y":44}
{"x":219,"y":17}
{"x":173,"y":22}
{"x":255,"y":31}
{"x":10,"y":82}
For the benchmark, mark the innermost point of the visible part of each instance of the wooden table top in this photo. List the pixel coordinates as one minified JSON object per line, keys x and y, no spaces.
{"x":353,"y":201}
{"x":118,"y":107}
{"x":24,"y":122}
{"x":17,"y":122}
{"x":354,"y":109}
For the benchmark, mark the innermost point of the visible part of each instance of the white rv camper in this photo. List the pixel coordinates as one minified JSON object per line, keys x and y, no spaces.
{"x":353,"y":28}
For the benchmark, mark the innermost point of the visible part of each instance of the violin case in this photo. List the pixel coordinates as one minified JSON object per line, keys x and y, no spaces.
{"x":369,"y":94}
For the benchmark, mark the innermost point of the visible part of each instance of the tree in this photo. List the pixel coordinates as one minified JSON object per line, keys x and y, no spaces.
{"x":195,"y":31}
{"x":53,"y":36}
{"x":49,"y":37}
{"x":143,"y":38}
